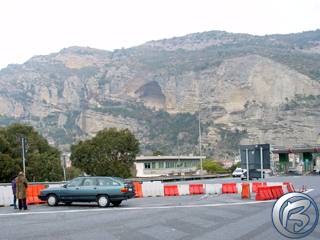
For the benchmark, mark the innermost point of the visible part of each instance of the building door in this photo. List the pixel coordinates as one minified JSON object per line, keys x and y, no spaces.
{"x":284,"y":162}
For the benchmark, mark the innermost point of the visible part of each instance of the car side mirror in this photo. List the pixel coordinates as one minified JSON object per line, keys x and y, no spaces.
{"x":65,"y":185}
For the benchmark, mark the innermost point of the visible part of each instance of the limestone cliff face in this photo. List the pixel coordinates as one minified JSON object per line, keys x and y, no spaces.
{"x":249,"y":88}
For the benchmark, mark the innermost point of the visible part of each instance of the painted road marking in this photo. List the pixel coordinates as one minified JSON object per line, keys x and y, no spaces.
{"x":309,"y":190}
{"x":136,"y":208}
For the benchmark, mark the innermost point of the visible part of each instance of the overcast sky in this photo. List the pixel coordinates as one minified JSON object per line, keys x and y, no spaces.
{"x":33,"y":27}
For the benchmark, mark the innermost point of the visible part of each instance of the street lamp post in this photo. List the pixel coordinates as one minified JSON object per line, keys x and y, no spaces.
{"x":199,"y":125}
{"x":200,"y":152}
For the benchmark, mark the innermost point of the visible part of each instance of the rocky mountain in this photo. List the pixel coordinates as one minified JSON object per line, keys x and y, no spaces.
{"x":249,"y":89}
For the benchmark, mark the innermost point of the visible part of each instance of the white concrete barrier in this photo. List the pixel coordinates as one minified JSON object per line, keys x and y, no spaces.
{"x":6,"y":196}
{"x":183,"y":189}
{"x":2,"y":196}
{"x":239,"y":187}
{"x":213,"y":188}
{"x":152,"y":189}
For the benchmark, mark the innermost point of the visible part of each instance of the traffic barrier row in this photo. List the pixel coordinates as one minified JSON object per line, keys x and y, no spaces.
{"x":155,"y":189}
{"x":6,"y":194}
{"x":265,"y":191}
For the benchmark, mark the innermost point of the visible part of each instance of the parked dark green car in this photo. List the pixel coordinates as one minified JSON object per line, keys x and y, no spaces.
{"x":103,"y":190}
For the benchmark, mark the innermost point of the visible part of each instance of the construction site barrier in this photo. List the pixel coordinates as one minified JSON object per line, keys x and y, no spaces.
{"x":289,"y":186}
{"x":269,"y":193}
{"x":195,"y":189}
{"x":229,"y":188}
{"x":264,"y":193}
{"x":33,"y":192}
{"x":152,"y":189}
{"x":183,"y":189}
{"x":277,"y":192}
{"x":6,"y":196}
{"x":255,"y":186}
{"x":138,"y":189}
{"x":171,"y":190}
{"x":239,"y":187}
{"x":245,"y":193}
{"x":211,"y":188}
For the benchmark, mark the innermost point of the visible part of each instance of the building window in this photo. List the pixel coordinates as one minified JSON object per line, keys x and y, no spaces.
{"x":167,"y":164}
{"x":153,"y":165}
{"x":161,"y":164}
{"x":170,"y":164}
{"x":179,"y":164}
{"x":147,"y":165}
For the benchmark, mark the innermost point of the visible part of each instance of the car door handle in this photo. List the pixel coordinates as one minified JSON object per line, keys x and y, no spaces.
{"x":77,"y":188}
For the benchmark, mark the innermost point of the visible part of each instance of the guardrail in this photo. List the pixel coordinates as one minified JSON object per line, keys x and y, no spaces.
{"x":179,"y":178}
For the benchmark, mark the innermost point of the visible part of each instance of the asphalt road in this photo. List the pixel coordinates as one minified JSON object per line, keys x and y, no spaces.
{"x":186,"y":217}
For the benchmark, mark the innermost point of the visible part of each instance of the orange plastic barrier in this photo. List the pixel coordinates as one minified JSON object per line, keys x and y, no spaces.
{"x":264,"y":193}
{"x":195,"y":189}
{"x":33,"y":192}
{"x":277,"y":191}
{"x":245,"y":191}
{"x":138,"y":189}
{"x":229,"y":188}
{"x":255,"y":186}
{"x":289,"y":186}
{"x":171,"y":190}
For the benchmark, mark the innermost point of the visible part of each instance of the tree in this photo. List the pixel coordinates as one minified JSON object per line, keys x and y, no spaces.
{"x":73,"y":172}
{"x":43,"y":160}
{"x":111,"y":152}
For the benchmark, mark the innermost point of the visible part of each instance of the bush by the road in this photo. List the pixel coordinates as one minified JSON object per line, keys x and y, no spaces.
{"x":212,"y":166}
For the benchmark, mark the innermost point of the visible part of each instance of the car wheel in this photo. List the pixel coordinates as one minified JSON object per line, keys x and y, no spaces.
{"x":103,"y":201}
{"x":116,"y":203}
{"x":52,"y":200}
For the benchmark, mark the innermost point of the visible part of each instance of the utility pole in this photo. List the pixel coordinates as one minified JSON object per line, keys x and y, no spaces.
{"x":200,"y":152}
{"x":247,"y":161}
{"x":199,"y":125}
{"x":261,"y":161}
{"x":23,"y":146}
{"x":64,"y":166}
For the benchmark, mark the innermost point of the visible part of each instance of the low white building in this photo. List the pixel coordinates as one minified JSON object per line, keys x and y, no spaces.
{"x":154,"y":166}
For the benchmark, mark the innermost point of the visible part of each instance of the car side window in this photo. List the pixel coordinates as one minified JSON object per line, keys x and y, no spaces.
{"x":107,"y":182}
{"x":89,"y":182}
{"x":75,"y":182}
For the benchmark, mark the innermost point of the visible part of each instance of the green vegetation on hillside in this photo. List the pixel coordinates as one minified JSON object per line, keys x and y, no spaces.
{"x":161,"y":127}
